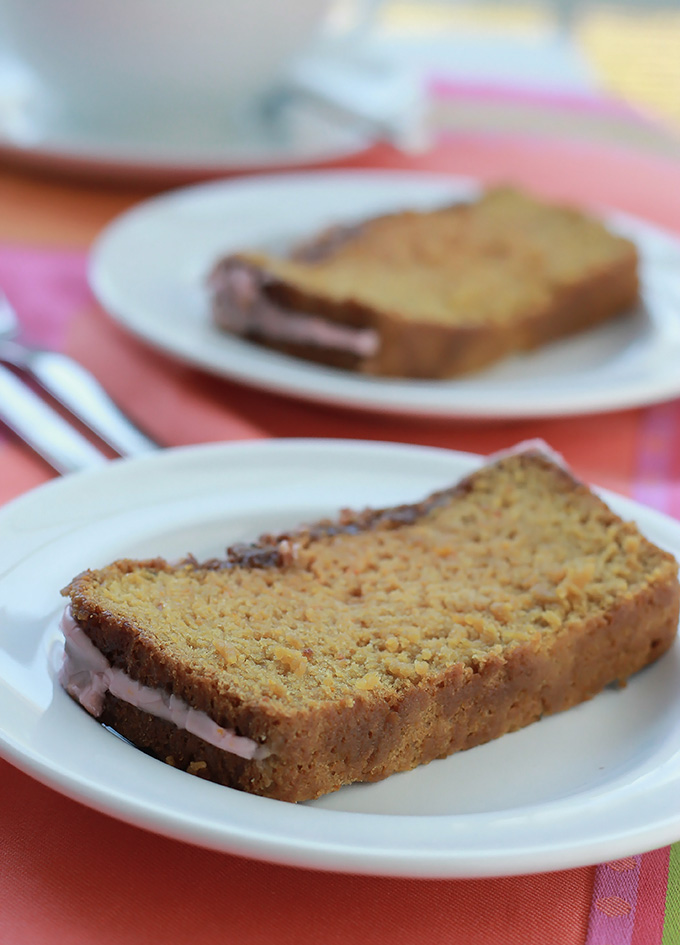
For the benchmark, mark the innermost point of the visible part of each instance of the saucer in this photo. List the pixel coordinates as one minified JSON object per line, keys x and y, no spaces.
{"x":291,"y":131}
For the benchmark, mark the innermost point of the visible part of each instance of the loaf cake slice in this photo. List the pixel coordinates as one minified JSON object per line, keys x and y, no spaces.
{"x":431,"y":294}
{"x":376,"y":642}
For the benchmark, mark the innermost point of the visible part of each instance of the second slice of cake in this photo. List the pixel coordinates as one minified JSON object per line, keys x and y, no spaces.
{"x":431,"y":294}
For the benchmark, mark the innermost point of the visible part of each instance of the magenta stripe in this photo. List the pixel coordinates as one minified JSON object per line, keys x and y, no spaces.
{"x":47,"y":288}
{"x":656,"y":447}
{"x":612,"y":910}
{"x":674,"y":500}
{"x":443,"y":87}
{"x":651,"y":905}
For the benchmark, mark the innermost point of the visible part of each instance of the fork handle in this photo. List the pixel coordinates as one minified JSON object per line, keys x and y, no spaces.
{"x":76,"y":388}
{"x":43,"y":428}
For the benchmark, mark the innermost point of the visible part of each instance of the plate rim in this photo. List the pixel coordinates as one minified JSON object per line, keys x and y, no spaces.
{"x":311,"y":383}
{"x":66,"y":148}
{"x":307,"y":854}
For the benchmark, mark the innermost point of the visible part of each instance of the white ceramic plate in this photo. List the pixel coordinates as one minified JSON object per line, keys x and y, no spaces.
{"x":148,"y":269}
{"x":597,"y":782}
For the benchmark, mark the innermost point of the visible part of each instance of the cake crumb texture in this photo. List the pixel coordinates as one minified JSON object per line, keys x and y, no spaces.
{"x":392,"y":637}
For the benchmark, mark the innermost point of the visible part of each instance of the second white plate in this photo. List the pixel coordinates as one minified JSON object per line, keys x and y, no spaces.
{"x":149,"y":267}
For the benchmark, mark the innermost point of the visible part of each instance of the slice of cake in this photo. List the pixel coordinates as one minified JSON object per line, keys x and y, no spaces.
{"x":431,"y":294}
{"x":376,"y":642}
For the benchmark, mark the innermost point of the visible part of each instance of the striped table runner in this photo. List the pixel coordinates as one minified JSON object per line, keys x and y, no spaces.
{"x":636,"y":900}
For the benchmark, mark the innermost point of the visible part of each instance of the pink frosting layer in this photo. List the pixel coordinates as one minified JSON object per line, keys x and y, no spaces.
{"x":243,"y":308}
{"x":87,"y":675}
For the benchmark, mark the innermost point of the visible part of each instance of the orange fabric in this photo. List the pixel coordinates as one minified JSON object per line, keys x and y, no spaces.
{"x":71,"y":876}
{"x":173,"y":401}
{"x":21,"y":471}
{"x":76,"y":877}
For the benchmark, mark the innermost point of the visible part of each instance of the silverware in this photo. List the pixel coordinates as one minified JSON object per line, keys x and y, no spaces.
{"x":73,"y":386}
{"x":43,"y":428}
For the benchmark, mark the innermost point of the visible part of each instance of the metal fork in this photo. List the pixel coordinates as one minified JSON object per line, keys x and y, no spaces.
{"x":74,"y":387}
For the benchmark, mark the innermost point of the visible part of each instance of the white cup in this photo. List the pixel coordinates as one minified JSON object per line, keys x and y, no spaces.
{"x":122,"y":62}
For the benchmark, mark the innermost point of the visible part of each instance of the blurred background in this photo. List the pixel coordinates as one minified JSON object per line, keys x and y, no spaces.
{"x":621,"y":57}
{"x":329,"y":77}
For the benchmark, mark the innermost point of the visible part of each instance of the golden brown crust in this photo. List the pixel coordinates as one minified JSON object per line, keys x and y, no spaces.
{"x":464,"y":707}
{"x":317,"y":746}
{"x":436,"y":351}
